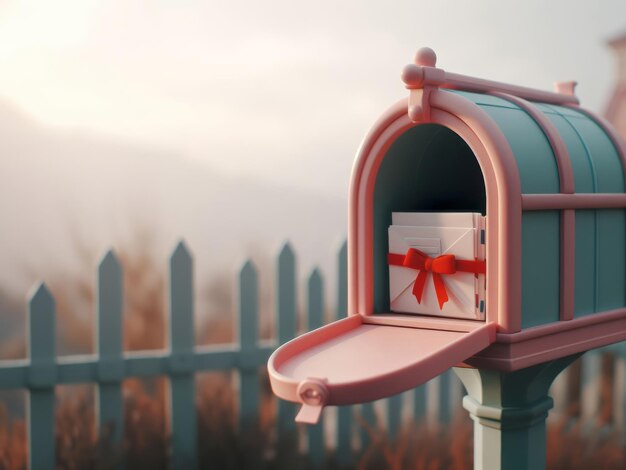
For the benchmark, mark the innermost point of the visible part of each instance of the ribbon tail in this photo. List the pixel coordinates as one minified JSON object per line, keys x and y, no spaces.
{"x":440,"y":289}
{"x":418,"y":286}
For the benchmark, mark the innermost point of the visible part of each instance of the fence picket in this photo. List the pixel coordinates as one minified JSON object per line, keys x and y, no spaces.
{"x":419,"y":403}
{"x":445,"y":383}
{"x":394,"y":415}
{"x":344,"y":413}
{"x":248,"y":336}
{"x":287,"y":315}
{"x":315,"y":313}
{"x":110,"y":404}
{"x":182,"y":382}
{"x":42,"y":377}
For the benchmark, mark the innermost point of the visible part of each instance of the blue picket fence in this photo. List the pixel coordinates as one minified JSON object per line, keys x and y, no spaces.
{"x":436,"y":401}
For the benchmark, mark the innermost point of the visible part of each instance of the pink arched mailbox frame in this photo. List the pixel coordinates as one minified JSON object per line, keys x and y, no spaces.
{"x":504,"y":209}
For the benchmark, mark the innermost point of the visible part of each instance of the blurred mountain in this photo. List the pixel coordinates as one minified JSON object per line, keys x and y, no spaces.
{"x":66,"y":196}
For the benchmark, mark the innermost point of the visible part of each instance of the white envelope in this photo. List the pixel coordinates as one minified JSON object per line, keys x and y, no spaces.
{"x":436,"y":234}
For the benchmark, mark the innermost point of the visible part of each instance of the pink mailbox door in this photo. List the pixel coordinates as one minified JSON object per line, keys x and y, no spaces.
{"x":350,"y":361}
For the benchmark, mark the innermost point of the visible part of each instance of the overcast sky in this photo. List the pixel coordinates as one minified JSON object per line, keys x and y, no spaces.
{"x":282,"y":90}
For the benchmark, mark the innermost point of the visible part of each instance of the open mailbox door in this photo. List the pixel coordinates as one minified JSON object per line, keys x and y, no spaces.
{"x":350,"y":361}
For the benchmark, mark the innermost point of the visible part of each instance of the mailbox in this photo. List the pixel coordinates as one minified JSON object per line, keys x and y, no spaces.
{"x":533,"y":188}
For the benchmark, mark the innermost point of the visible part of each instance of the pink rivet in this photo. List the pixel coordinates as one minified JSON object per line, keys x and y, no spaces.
{"x":313,"y":392}
{"x":426,"y":57}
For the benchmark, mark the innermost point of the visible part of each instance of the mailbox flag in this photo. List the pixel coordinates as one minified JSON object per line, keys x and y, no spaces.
{"x":352,"y":361}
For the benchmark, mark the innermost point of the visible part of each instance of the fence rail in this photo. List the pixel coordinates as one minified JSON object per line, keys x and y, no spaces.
{"x":110,"y":365}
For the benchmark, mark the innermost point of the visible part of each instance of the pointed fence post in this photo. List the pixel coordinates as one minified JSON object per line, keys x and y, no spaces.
{"x":591,"y":364}
{"x":41,"y":380}
{"x":394,"y":415}
{"x":248,"y":335}
{"x":315,"y":311}
{"x":182,"y":383}
{"x":419,"y":403}
{"x":287,"y":315}
{"x":110,"y":369}
{"x":344,"y":413}
{"x":444,"y":398}
{"x":509,"y":411}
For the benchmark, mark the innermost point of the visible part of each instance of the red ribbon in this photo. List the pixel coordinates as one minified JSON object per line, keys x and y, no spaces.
{"x":444,"y":264}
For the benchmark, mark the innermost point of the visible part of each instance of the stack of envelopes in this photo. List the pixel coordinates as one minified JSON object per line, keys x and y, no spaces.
{"x":424,"y":278}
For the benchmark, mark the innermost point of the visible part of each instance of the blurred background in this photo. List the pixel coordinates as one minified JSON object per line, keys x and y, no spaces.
{"x":232,"y":125}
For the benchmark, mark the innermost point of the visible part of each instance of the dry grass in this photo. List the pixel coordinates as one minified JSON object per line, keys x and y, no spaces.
{"x":220,"y":444}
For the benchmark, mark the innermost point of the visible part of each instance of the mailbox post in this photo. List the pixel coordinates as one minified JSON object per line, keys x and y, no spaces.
{"x":487,"y":228}
{"x":509,"y":410}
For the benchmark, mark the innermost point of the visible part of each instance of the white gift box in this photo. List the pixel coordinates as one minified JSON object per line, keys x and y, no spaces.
{"x":461,"y":234}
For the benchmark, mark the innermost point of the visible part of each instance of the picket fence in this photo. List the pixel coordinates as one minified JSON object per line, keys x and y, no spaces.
{"x":434,"y":402}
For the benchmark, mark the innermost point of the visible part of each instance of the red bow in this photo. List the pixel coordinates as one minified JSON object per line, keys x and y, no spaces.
{"x":444,"y":264}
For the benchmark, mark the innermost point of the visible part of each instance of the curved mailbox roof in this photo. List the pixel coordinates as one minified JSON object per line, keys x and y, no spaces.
{"x":594,"y":159}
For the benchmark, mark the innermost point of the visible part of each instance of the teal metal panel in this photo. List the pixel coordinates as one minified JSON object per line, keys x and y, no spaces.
{"x":533,"y":153}
{"x":487,"y":100}
{"x":540,"y":267}
{"x":182,"y":382}
{"x":609,"y":173}
{"x":600,"y":236}
{"x":585,"y":280}
{"x":611,"y":259}
{"x":564,"y":111}
{"x":110,"y":403}
{"x":248,"y":336}
{"x":582,"y":164}
{"x":600,"y":149}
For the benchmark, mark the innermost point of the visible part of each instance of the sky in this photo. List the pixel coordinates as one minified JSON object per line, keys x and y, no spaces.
{"x":278,"y":90}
